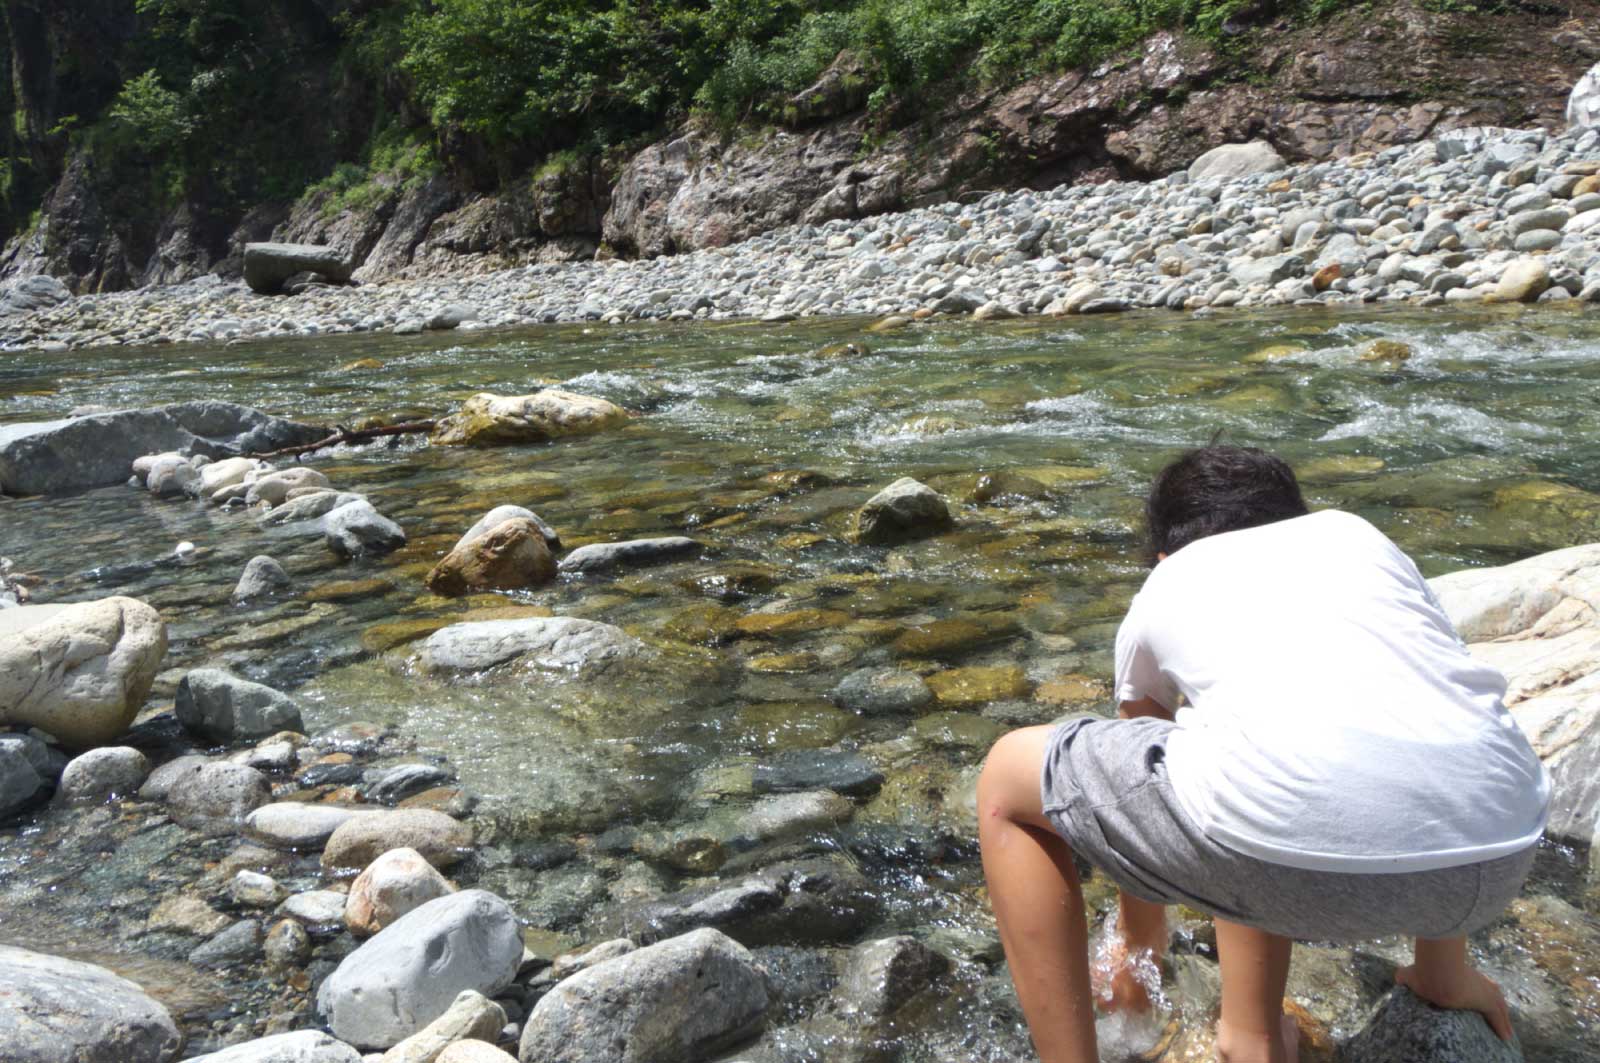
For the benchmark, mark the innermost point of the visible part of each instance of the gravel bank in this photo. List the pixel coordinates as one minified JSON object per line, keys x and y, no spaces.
{"x":1472,"y":215}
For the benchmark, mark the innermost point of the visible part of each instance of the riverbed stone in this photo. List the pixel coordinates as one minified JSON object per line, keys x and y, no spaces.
{"x":509,"y":556}
{"x":604,"y":557}
{"x":237,"y":944}
{"x":216,"y":797}
{"x":101,"y":775}
{"x":320,"y":911}
{"x":901,"y":512}
{"x":79,"y":672}
{"x":360,"y":840}
{"x":397,"y":882}
{"x":262,"y":576}
{"x":301,"y":1046}
{"x":487,"y":420}
{"x":471,"y":1016}
{"x":58,"y":1009}
{"x":472,"y":1051}
{"x":881,"y":977}
{"x":273,"y":488}
{"x":252,"y":889}
{"x":297,"y":824}
{"x":1523,"y":281}
{"x":26,"y":773}
{"x":308,"y":506}
{"x":687,"y":998}
{"x":1405,"y":1029}
{"x":222,"y":707}
{"x":411,"y":972}
{"x":357,"y":529}
{"x":810,"y":769}
{"x":500,"y":514}
{"x":565,"y":644}
{"x":882,"y":692}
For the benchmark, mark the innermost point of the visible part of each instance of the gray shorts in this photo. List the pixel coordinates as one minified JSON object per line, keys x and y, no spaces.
{"x":1106,"y":792}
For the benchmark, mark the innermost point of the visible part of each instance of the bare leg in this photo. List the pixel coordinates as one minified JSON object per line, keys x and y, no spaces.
{"x":1255,"y":970}
{"x":1142,"y":926}
{"x":1037,"y":901}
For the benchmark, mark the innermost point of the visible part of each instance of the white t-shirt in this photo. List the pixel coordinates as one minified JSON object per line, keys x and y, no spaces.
{"x":1335,"y":720}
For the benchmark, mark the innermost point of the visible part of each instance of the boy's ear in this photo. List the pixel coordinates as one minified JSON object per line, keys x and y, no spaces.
{"x":1162,"y":556}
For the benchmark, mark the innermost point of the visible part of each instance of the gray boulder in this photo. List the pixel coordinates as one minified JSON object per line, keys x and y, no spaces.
{"x":262,"y":576}
{"x":33,"y":293}
{"x":410,"y":973}
{"x":302,"y":1046}
{"x":881,"y":976}
{"x":56,"y":1009}
{"x":267,"y":266}
{"x":164,"y":778}
{"x":1406,"y":1029}
{"x":600,"y":557}
{"x":216,"y":797}
{"x":685,"y":999}
{"x":356,"y":529}
{"x":224,"y":708}
{"x":1583,"y":106}
{"x":903,"y":511}
{"x":499,"y":515}
{"x":26,"y":772}
{"x":309,"y":507}
{"x":1231,"y":161}
{"x":54,"y":457}
{"x":102,"y":775}
{"x":585,"y":647}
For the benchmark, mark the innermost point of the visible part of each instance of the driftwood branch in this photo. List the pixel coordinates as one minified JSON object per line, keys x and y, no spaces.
{"x":350,"y":435}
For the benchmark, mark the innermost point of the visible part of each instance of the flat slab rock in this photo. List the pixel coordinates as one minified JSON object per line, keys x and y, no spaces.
{"x":58,"y":1009}
{"x":55,"y":457}
{"x":555,"y":643}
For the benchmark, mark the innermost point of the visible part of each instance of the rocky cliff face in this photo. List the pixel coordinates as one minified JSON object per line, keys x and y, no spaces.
{"x":1364,"y":81}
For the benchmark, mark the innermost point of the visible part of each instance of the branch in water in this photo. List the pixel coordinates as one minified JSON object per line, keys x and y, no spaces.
{"x":350,"y":435}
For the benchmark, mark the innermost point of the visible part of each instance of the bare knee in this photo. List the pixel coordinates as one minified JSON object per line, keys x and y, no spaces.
{"x":1008,"y":787}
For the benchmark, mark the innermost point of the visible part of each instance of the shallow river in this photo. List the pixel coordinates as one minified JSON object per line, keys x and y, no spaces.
{"x":760,"y":441}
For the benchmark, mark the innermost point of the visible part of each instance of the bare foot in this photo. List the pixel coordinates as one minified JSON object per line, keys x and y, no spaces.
{"x":1234,"y":1046}
{"x":1124,"y":980}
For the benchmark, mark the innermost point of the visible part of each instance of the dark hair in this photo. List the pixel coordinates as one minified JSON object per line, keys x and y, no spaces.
{"x":1216,"y":489}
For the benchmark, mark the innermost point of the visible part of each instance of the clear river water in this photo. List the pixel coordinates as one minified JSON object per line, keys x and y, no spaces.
{"x":760,"y":441}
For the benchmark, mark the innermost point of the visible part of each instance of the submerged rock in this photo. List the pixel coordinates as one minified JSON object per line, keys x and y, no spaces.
{"x":903,"y":511}
{"x":262,"y":576}
{"x":487,"y":420}
{"x":413,"y":970}
{"x":584,"y":647}
{"x":52,"y":457}
{"x":881,"y":976}
{"x":687,"y":998}
{"x":79,"y":672}
{"x":56,"y":1009}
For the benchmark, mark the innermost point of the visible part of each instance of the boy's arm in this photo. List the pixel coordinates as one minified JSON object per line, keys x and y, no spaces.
{"x":1144,"y":707}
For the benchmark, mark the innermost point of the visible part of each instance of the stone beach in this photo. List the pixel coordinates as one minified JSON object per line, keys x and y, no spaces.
{"x":1471,"y":215}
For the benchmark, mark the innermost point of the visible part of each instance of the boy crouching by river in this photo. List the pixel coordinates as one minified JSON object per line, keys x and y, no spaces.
{"x":1341,"y":768}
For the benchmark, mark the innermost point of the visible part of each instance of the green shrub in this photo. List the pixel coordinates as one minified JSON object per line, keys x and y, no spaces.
{"x":150,"y":113}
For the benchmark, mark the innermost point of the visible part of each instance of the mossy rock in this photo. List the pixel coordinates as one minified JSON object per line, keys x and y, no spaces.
{"x":979,"y":685}
{"x":793,"y":622}
{"x":1388,"y":352}
{"x":1276,"y":352}
{"x":351,"y":590}
{"x":380,"y":638}
{"x":777,"y":725}
{"x":956,"y":730}
{"x":1072,"y":690}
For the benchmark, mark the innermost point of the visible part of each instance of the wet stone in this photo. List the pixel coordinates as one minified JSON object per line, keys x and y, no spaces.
{"x":797,"y":770}
{"x":238,"y":944}
{"x":393,"y":785}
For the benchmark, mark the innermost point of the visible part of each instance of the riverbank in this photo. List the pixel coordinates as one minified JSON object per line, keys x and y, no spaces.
{"x":1472,"y":215}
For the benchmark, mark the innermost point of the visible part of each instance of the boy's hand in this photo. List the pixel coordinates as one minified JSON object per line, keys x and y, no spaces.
{"x":1465,"y":989}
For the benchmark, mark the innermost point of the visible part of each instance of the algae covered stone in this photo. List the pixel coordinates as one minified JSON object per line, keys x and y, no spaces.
{"x":487,"y":420}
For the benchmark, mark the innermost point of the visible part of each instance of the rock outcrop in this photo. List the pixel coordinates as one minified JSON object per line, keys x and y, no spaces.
{"x":79,"y":672}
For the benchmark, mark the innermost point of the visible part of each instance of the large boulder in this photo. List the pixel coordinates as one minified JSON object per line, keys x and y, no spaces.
{"x":39,"y":292}
{"x":267,"y":266}
{"x":511,"y":555}
{"x":487,"y":420}
{"x":1230,"y":161}
{"x":1583,"y":106}
{"x":903,"y":511}
{"x":1538,"y":621}
{"x":414,"y":969}
{"x":223,"y":708}
{"x":1407,"y":1029}
{"x":54,"y":1009}
{"x":52,"y":457}
{"x":302,"y":1046}
{"x":558,"y":643}
{"x":79,"y":672}
{"x":684,"y":999}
